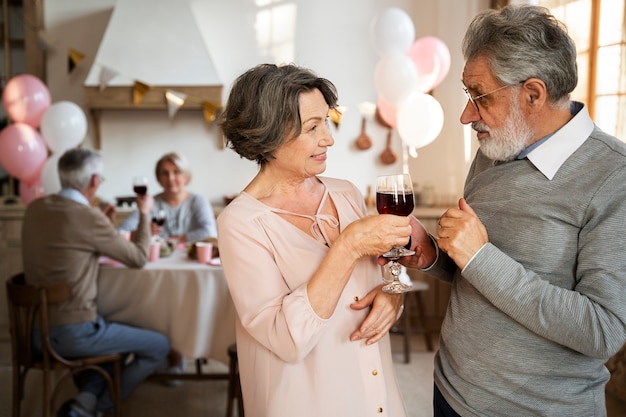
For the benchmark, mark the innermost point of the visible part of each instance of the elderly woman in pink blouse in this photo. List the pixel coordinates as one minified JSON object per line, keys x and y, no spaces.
{"x":299,"y":254}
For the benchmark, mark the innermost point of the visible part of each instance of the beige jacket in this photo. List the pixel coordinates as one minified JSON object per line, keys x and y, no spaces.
{"x":62,"y":241}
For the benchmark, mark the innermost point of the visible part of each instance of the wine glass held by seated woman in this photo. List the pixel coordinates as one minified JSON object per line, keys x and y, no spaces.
{"x":178,"y":213}
{"x":299,"y":254}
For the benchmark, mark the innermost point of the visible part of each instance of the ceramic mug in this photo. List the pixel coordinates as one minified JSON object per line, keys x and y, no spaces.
{"x":204,"y":252}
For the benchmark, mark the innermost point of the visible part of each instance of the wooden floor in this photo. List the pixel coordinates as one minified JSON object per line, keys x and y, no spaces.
{"x":208,"y":398}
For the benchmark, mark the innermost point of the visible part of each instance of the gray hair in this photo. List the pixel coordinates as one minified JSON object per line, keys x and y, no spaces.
{"x":76,"y":167}
{"x":522,"y":42}
{"x":263,"y":108}
{"x":177,"y":159}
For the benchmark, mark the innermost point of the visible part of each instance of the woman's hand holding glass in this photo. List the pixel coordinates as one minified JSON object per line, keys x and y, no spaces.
{"x":373,"y":235}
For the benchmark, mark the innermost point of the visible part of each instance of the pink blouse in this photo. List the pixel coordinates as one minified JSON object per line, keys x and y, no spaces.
{"x":292,"y":362}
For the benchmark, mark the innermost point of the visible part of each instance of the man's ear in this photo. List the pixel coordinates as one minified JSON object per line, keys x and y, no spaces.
{"x":94,"y":181}
{"x":535,"y":93}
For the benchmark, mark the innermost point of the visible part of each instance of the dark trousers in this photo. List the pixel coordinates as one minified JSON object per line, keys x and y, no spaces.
{"x":441,"y":406}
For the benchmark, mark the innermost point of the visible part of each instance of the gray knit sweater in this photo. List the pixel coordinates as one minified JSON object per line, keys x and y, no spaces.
{"x":541,"y":307}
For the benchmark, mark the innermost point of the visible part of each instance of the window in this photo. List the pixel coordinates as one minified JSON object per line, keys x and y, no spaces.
{"x":598,"y":28}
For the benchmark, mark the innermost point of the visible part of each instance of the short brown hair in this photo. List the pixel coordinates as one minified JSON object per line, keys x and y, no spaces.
{"x":263,"y":108}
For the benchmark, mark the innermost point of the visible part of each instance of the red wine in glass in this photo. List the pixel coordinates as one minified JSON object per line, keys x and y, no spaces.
{"x":401,"y":204}
{"x":159,"y":218}
{"x":140,"y":189}
{"x":140,"y":185}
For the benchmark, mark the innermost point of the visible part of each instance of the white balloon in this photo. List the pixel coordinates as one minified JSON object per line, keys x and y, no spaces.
{"x":50,"y":175}
{"x":391,"y":31}
{"x":420,"y":120}
{"x":63,"y":126}
{"x":395,"y":77}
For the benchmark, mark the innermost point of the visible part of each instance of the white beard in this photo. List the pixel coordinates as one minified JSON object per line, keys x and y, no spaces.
{"x":505,"y":143}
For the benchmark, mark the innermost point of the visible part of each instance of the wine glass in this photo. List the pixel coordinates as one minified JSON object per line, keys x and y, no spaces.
{"x":140,"y":185}
{"x":159,"y":218}
{"x":394,"y":195}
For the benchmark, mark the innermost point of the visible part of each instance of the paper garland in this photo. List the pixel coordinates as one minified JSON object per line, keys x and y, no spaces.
{"x":74,"y":58}
{"x":174,"y":99}
{"x":139,"y":90}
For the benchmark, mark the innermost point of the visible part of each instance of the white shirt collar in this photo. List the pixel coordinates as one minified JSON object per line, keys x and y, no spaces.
{"x":550,"y":155}
{"x":74,"y":195}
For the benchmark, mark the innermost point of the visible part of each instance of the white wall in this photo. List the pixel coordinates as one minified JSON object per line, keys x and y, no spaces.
{"x":329,"y":36}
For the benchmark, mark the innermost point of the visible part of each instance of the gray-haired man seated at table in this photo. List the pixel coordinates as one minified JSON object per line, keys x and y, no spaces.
{"x":63,"y":237}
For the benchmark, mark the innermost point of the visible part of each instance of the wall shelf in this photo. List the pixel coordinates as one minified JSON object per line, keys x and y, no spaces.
{"x":121,"y":98}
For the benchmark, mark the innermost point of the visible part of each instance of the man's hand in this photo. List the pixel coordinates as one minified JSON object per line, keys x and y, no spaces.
{"x":109,"y":210}
{"x":421,"y":243}
{"x":461,"y":233}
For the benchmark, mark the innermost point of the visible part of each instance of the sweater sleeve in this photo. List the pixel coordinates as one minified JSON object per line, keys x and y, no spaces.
{"x":444,"y":267}
{"x":202,"y":224}
{"x":589,"y":314}
{"x":113,"y":245}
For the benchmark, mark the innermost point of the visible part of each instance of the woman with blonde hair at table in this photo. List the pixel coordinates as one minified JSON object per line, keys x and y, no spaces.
{"x":188,"y":216}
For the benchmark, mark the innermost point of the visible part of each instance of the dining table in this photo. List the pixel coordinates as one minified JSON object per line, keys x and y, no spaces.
{"x":184,"y":299}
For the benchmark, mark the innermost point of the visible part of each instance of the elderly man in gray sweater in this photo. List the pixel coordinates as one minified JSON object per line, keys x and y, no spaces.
{"x":535,"y":251}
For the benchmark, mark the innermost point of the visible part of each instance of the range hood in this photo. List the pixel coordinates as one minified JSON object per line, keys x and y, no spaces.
{"x":152,"y":55}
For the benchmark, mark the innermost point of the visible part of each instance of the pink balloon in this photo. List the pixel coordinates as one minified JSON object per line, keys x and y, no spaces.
{"x":432,"y":61}
{"x":387,"y":112}
{"x":30,"y":191}
{"x":22,"y":151}
{"x":26,"y":99}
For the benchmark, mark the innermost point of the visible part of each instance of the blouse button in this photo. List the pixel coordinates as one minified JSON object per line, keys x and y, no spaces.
{"x":356,"y":298}
{"x":374,"y":372}
{"x":380,"y":409}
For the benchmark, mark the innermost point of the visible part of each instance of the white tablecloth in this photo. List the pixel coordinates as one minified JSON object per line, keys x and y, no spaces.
{"x":187,"y":301}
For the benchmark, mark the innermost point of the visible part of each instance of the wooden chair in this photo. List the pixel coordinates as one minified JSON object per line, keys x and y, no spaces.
{"x":413,"y":309}
{"x":28,"y":306}
{"x":234,"y":384}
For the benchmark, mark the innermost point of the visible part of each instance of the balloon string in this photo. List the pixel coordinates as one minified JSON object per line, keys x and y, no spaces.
{"x":405,"y":159}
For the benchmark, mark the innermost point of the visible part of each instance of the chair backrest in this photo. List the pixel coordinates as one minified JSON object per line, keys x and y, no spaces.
{"x":28,"y":304}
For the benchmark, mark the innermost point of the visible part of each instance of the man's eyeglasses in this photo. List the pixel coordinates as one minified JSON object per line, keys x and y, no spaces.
{"x":474,"y":100}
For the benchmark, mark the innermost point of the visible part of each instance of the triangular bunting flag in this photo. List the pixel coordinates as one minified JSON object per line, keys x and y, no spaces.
{"x":210,"y":111}
{"x":335,"y":116}
{"x":74,"y":58}
{"x":174,"y":100}
{"x":106,"y":75}
{"x":139,"y":90}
